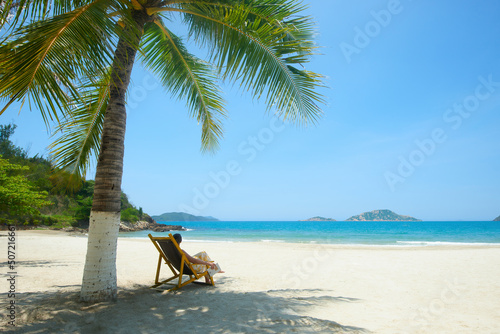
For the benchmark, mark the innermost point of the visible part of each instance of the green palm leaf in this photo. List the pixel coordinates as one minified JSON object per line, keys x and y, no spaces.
{"x":18,"y":12}
{"x":46,"y":58}
{"x":261,"y":53}
{"x":81,"y":130}
{"x":186,"y":77}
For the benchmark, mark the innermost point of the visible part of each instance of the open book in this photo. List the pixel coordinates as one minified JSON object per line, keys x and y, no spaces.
{"x":212,"y":272}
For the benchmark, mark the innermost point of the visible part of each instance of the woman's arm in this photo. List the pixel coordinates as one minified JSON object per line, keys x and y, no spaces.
{"x":198,"y":261}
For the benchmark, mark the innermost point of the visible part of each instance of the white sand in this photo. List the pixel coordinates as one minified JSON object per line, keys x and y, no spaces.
{"x":267,"y":288}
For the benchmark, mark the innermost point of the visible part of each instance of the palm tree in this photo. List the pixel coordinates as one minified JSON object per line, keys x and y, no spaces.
{"x":73,"y":60}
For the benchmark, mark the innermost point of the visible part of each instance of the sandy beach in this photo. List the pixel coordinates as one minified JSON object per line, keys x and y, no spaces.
{"x":267,"y":288}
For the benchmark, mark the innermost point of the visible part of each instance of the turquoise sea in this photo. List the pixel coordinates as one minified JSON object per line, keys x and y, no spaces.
{"x":341,"y":232}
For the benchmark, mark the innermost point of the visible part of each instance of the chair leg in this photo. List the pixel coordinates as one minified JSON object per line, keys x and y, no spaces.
{"x":157,"y":278}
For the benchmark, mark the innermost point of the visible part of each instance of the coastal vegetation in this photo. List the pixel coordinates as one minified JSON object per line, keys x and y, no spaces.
{"x":72,"y":60}
{"x":17,"y":196}
{"x":33,"y":192}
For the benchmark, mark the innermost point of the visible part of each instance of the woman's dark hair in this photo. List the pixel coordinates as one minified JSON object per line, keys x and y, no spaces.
{"x":178,"y":238}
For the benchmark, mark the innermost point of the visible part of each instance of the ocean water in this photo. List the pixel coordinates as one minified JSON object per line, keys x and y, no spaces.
{"x":340,"y":232}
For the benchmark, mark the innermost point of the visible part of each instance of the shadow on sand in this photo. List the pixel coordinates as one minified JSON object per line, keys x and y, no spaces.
{"x":193,"y":309}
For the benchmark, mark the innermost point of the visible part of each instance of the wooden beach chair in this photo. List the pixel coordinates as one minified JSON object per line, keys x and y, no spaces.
{"x":171,"y":253}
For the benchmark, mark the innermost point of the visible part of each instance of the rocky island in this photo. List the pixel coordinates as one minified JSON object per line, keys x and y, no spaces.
{"x":381,"y":215}
{"x":318,"y":219}
{"x":497,"y":219}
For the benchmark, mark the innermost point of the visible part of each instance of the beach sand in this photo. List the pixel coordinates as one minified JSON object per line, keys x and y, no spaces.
{"x":267,"y":288}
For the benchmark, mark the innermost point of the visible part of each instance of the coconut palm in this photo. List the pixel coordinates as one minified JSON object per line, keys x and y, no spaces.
{"x":72,"y":60}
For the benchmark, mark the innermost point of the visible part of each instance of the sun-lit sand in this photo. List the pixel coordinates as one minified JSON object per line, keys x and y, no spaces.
{"x":267,"y":288}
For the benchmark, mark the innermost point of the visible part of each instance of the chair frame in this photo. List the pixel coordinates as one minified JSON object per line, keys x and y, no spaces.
{"x":176,"y":273}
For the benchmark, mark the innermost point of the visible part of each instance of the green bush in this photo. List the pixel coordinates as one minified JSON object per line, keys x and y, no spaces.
{"x":130,"y":215}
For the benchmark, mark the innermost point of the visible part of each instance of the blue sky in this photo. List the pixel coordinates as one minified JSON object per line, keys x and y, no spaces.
{"x":410,"y":125}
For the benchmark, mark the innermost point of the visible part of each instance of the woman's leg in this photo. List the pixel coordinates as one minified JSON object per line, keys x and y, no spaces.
{"x":200,"y":268}
{"x":202,"y":256}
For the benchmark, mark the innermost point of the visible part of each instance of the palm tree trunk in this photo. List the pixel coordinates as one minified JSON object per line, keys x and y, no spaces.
{"x":99,"y":276}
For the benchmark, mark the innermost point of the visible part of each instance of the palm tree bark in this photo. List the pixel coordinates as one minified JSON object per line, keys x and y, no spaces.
{"x":99,"y":276}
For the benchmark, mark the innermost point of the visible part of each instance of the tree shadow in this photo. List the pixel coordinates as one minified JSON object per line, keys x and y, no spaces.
{"x":193,"y":309}
{"x":44,"y":263}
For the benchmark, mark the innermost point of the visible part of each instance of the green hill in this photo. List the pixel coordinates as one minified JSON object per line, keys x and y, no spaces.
{"x":496,"y":219}
{"x":33,"y":192}
{"x":381,"y":215}
{"x":182,"y":217}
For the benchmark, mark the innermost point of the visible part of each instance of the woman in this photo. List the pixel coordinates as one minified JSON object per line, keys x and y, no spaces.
{"x":200,"y":260}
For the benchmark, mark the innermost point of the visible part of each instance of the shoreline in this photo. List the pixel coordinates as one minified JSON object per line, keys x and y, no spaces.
{"x":399,"y":244}
{"x":272,"y":287}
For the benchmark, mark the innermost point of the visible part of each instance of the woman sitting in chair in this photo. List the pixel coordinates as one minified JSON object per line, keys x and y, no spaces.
{"x":201,"y":260}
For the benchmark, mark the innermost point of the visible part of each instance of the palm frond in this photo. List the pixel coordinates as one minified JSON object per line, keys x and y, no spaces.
{"x":80,"y":132}
{"x":277,"y":13}
{"x":186,"y":77}
{"x":260,"y":43}
{"x":36,"y":62}
{"x":15,"y":13}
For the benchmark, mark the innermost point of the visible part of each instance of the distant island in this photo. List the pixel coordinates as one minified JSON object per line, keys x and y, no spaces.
{"x":318,"y":219}
{"x":381,"y":215}
{"x":497,"y":219}
{"x":182,"y":217}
